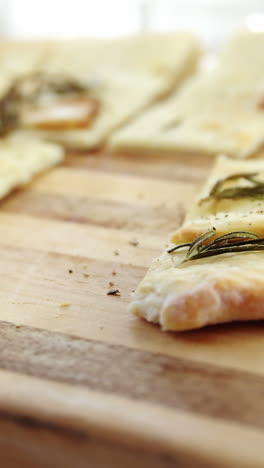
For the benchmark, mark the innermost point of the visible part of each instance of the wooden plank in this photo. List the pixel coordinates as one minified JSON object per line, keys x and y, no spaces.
{"x":103,"y":186}
{"x":187,"y":167}
{"x":134,"y":217}
{"x":43,"y":283}
{"x":85,"y":379}
{"x":74,"y":239}
{"x":230,"y":395}
{"x":175,"y":438}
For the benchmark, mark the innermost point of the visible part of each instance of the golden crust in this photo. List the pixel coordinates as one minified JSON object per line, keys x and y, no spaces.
{"x":217,"y":289}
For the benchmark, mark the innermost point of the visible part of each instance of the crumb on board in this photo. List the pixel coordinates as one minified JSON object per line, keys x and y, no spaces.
{"x":116,"y":252}
{"x":110,"y":284}
{"x":133,"y":242}
{"x":65,"y":304}
{"x":85,"y":275}
{"x":113,"y":292}
{"x":113,"y":273}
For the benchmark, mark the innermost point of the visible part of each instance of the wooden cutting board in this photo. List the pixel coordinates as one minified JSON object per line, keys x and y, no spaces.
{"x":82,"y":382}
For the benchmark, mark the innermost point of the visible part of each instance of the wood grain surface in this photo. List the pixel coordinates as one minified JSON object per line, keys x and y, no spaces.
{"x":84,"y":383}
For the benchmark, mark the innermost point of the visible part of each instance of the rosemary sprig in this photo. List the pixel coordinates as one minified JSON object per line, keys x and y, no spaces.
{"x":232,"y":242}
{"x":255,"y":188}
{"x":196,"y":245}
{"x":177,"y":247}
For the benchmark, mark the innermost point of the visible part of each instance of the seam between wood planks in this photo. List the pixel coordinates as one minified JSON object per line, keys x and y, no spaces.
{"x":102,"y":213}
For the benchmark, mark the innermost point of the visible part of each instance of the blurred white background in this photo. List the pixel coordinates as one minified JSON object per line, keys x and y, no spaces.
{"x":213,"y":20}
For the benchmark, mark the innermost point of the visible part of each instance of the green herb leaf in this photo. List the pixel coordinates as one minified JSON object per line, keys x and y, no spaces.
{"x":255,"y":189}
{"x":232,"y":242}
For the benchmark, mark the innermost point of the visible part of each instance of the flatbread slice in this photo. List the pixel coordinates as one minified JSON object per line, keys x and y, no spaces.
{"x":23,"y":57}
{"x":221,"y":111}
{"x":21,"y":159}
{"x":214,"y":279}
{"x":120,"y":78}
{"x":231,"y":200}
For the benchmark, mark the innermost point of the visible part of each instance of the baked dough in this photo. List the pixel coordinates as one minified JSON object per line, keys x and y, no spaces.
{"x":22,"y":158}
{"x":225,"y":214}
{"x":126,"y":75}
{"x":203,"y":292}
{"x":182,"y":295}
{"x":221,"y":111}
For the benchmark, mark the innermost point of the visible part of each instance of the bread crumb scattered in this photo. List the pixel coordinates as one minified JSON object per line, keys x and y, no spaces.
{"x":133,"y":242}
{"x":66,"y":304}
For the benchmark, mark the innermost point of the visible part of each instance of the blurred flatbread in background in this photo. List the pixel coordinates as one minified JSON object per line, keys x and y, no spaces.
{"x":124,"y":75}
{"x":22,"y":57}
{"x":215,"y":112}
{"x":21,"y":159}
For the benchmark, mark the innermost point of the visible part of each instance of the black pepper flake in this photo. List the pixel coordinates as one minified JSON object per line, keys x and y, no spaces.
{"x":113,"y":292}
{"x":70,"y":271}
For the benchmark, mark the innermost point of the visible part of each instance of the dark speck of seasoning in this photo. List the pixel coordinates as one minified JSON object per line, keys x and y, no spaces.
{"x":116,"y":252}
{"x":85,"y":275}
{"x":70,"y":271}
{"x":110,"y":283}
{"x":133,"y":242}
{"x":113,"y":292}
{"x":226,"y":215}
{"x":113,"y":273}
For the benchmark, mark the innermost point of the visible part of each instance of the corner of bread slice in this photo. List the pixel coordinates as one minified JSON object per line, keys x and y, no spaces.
{"x":224,"y":214}
{"x":185,"y":296}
